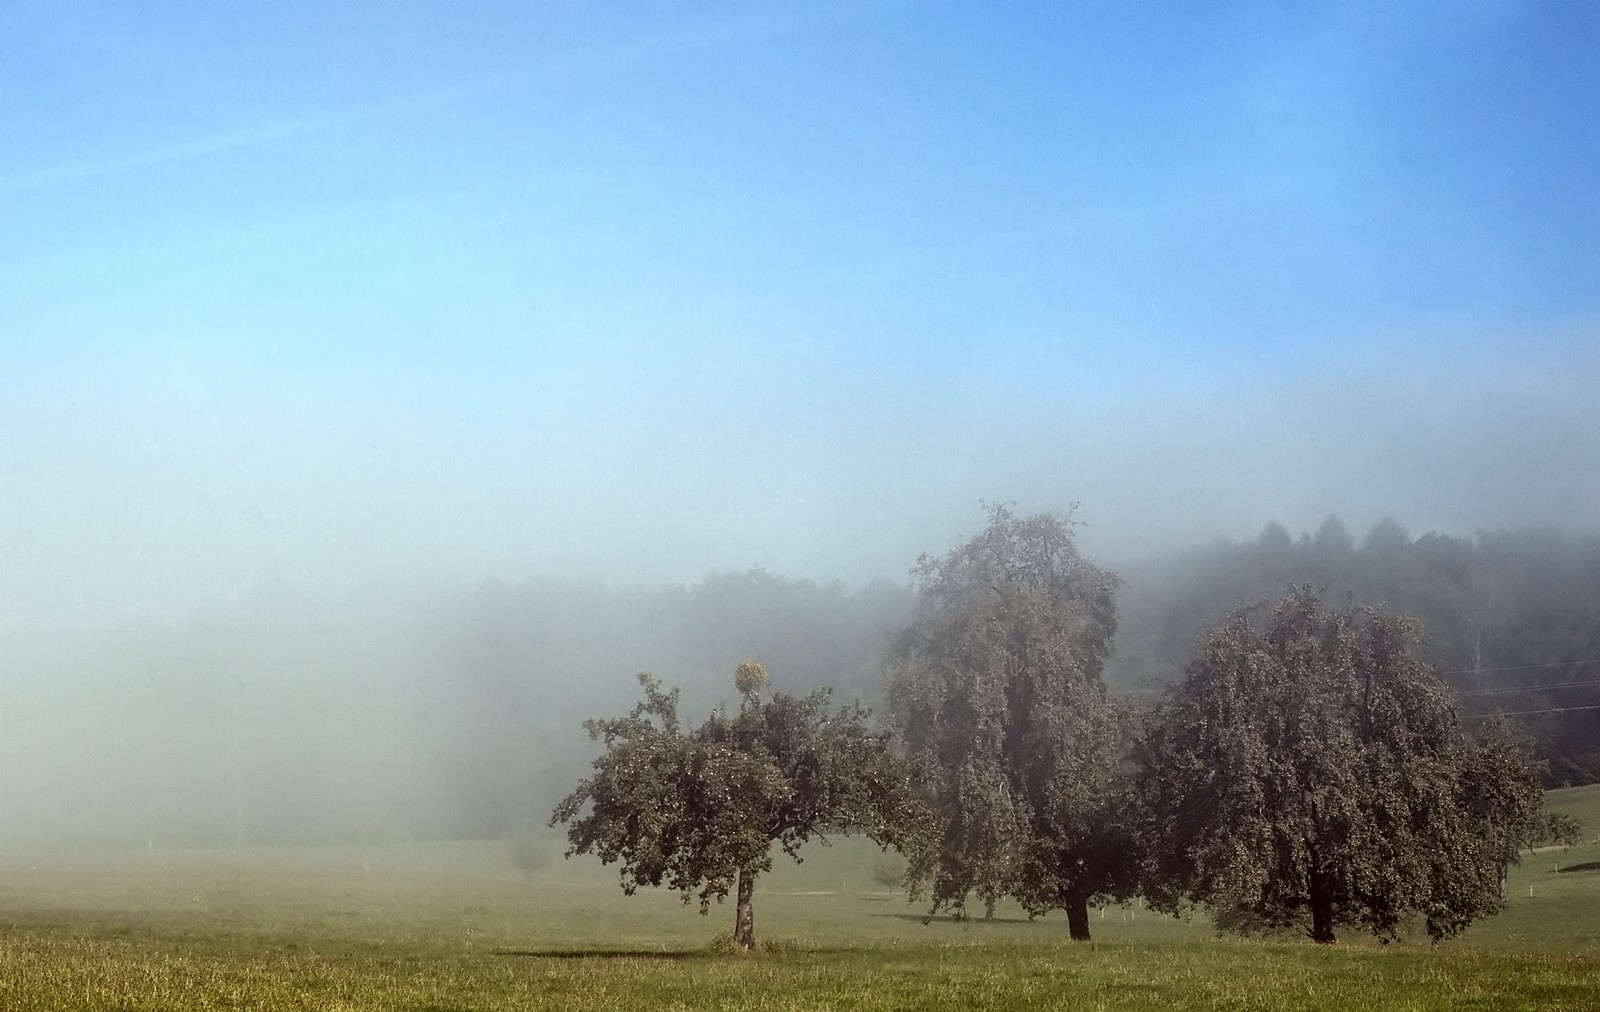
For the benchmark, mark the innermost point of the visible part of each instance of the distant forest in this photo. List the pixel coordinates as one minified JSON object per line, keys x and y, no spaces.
{"x":1512,"y":618}
{"x":458,"y":713}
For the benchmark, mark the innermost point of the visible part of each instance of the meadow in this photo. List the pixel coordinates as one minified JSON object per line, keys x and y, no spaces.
{"x":455,"y":926}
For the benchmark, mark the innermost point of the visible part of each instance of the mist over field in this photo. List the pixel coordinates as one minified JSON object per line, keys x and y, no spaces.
{"x":380,"y":390}
{"x":142,"y":493}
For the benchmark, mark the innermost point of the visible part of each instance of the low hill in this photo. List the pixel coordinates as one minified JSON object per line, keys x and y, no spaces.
{"x":1582,"y":803}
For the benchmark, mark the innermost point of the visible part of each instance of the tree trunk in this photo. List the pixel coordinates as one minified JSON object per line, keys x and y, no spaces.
{"x":1321,"y":914}
{"x":988,"y":908}
{"x":744,"y":915}
{"x":1078,"y":918}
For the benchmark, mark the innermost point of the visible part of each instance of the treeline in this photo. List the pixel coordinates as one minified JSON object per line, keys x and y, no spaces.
{"x":1512,"y":618}
{"x":450,"y":714}
{"x":522,"y":664}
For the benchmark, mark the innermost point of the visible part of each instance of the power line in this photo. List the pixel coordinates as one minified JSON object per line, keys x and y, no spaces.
{"x":1519,"y":667}
{"x":1499,"y":691}
{"x":1524,"y":713}
{"x":1529,"y":688}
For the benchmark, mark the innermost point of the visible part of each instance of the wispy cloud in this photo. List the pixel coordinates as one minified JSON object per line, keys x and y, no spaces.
{"x":707,"y":36}
{"x":221,"y":142}
{"x":155,"y":155}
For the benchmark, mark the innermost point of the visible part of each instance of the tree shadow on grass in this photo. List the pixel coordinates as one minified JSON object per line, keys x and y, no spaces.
{"x":962,"y":921}
{"x":1585,"y":866}
{"x":661,"y":954}
{"x":774,"y":947}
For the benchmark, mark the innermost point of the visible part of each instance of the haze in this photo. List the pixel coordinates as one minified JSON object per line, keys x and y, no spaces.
{"x":360,"y":303}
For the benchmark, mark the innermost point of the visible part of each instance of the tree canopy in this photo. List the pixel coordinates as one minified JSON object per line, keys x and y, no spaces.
{"x":1312,"y":773}
{"x":698,"y":810}
{"x":995,"y":690}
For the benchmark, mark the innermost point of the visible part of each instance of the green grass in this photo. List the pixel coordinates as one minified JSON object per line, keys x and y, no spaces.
{"x":457,"y":927}
{"x":67,"y":973}
{"x":1582,"y":803}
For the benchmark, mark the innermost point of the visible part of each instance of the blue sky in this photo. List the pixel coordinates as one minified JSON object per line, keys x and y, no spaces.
{"x":327,"y":294}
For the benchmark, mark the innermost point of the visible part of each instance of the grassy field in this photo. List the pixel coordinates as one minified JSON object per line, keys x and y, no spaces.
{"x":457,"y":927}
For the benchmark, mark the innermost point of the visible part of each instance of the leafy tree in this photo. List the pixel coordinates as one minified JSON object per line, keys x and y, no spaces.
{"x":995,"y":689}
{"x":699,"y":810}
{"x":889,"y":871}
{"x":1507,"y":813}
{"x":1313,"y":774}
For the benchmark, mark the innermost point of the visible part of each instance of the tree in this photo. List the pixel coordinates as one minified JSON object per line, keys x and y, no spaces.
{"x":699,"y":810}
{"x":1313,"y":773}
{"x":528,"y":853}
{"x":995,"y":689}
{"x":1554,"y":829}
{"x":1505,"y":803}
{"x":1513,"y":617}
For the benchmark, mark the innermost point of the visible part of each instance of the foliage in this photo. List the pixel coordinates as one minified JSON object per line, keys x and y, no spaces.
{"x":995,"y":690}
{"x":1314,"y":773}
{"x":1506,"y":807}
{"x":698,"y":810}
